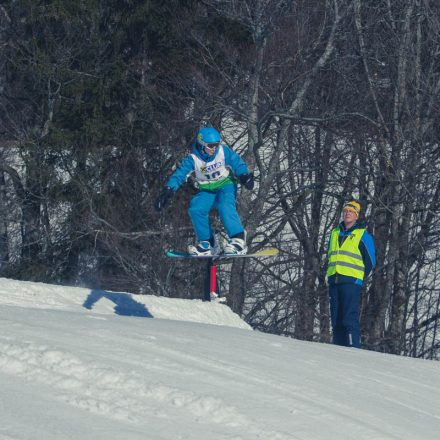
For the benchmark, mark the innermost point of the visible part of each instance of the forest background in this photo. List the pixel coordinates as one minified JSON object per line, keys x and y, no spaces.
{"x":325,"y":99}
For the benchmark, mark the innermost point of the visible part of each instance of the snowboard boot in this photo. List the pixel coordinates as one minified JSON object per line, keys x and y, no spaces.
{"x":204,"y":247}
{"x":236,"y":245}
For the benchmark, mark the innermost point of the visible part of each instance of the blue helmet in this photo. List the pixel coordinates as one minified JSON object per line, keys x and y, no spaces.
{"x":207,"y":136}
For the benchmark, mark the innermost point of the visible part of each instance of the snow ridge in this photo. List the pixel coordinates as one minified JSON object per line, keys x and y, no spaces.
{"x":79,"y":299}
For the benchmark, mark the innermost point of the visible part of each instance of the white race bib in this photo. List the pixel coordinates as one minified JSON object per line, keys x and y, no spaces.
{"x":212,"y":171}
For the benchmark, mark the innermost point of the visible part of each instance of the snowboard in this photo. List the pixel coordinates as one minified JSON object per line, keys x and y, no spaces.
{"x":267,"y":252}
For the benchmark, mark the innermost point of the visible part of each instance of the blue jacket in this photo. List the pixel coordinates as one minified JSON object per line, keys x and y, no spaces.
{"x":232,"y":159}
{"x":366,"y":248}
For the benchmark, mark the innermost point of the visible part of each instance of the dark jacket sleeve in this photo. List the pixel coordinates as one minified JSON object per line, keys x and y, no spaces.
{"x":368,"y":251}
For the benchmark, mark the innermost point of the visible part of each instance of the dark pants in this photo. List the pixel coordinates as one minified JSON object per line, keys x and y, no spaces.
{"x":344,"y":308}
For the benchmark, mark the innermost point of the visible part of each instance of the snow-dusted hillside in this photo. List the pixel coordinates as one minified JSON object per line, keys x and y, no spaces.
{"x":82,"y":364}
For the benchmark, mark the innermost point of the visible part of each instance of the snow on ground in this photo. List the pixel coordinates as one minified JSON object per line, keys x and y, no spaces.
{"x":83,"y":364}
{"x":77,"y":299}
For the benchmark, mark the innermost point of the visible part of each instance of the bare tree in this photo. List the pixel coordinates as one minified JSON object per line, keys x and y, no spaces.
{"x":404,"y":132}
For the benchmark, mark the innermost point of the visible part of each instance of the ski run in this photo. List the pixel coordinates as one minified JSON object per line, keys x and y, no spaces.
{"x":87,"y":364}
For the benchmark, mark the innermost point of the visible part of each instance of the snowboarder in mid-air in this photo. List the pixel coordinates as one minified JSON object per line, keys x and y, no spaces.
{"x":212,"y":161}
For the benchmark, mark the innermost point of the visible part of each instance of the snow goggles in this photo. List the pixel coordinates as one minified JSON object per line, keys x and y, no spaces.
{"x":211,"y":146}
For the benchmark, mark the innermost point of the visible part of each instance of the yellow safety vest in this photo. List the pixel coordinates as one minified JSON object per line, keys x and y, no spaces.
{"x":346,"y":259}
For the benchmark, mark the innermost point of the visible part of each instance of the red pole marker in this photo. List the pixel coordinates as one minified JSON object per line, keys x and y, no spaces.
{"x":213,"y":279}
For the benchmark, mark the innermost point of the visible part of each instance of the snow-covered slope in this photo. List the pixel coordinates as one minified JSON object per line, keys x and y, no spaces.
{"x":81,"y":364}
{"x":76,"y":299}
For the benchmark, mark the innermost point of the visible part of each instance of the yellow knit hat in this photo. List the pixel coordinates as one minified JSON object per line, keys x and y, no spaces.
{"x":353,"y":206}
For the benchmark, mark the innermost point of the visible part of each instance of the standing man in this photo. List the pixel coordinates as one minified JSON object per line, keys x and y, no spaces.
{"x":351,"y":257}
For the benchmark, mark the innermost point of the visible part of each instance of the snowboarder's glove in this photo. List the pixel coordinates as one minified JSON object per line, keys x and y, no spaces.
{"x":247,"y":180}
{"x":163,"y":198}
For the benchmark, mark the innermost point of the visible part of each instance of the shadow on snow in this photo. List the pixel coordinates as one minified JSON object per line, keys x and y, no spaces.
{"x":125,"y":305}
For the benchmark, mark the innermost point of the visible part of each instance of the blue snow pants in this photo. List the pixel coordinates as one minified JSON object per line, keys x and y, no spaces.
{"x":223,"y":200}
{"x":344,"y":307}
